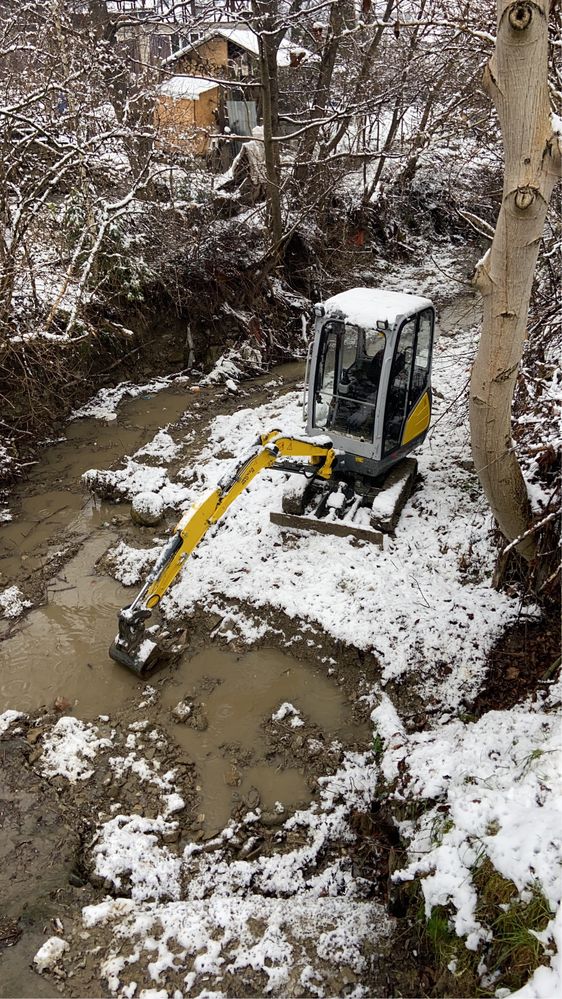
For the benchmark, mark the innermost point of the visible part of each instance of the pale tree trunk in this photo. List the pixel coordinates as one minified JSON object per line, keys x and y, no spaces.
{"x":517,"y":81}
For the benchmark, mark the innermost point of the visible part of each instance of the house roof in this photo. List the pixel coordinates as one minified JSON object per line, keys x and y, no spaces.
{"x":245,"y":39}
{"x":187,"y":86}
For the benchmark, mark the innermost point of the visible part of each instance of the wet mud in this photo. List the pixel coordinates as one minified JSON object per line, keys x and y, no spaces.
{"x":257,"y":725}
{"x":242,"y":729}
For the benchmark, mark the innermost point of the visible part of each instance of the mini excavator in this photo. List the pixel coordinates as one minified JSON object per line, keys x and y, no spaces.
{"x":367,"y":405}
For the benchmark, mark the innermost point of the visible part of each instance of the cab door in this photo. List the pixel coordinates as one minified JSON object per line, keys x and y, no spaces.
{"x":408,"y":403}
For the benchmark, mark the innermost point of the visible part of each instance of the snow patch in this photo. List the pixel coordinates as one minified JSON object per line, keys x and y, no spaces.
{"x":104,"y":405}
{"x":69,"y":749}
{"x":49,"y":954}
{"x":128,"y":849}
{"x":7,"y":718}
{"x":500,"y":780}
{"x":12,"y":602}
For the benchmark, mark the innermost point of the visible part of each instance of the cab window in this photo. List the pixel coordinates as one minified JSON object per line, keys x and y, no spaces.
{"x":422,"y":357}
{"x":409,"y":376}
{"x":399,"y":386}
{"x":325,"y":383}
{"x":347,"y":382}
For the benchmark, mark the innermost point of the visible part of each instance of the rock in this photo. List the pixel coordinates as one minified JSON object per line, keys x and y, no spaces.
{"x":200,"y":721}
{"x":314,"y":747}
{"x":250,"y":847}
{"x":252,"y":798}
{"x":182,"y":711}
{"x":34,"y":734}
{"x":75,"y":880}
{"x":271,"y":819}
{"x":147,"y":509}
{"x":62,"y":704}
{"x":232,"y":777}
{"x":48,"y":955}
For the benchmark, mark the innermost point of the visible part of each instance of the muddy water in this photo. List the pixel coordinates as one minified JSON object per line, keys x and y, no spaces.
{"x":60,"y":648}
{"x":231,"y":700}
{"x":52,"y":500}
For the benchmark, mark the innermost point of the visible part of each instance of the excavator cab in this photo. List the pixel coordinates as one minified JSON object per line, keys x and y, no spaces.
{"x":369,"y":376}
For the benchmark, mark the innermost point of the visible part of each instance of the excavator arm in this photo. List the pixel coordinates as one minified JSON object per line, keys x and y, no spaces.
{"x":132,"y":647}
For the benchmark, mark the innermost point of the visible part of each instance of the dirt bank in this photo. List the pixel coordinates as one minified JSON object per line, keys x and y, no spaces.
{"x":225,"y":827}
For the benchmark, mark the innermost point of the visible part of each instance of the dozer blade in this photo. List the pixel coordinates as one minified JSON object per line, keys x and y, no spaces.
{"x":341,"y":529}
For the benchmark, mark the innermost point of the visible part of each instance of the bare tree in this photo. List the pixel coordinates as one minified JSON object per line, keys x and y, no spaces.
{"x":516,"y":79}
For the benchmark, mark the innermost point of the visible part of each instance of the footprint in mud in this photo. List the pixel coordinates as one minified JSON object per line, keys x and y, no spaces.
{"x":258,"y":728}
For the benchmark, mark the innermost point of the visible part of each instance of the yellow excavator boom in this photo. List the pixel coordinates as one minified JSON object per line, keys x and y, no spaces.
{"x":132,"y":647}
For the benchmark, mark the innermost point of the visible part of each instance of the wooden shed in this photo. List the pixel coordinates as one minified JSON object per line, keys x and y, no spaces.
{"x":186,"y":113}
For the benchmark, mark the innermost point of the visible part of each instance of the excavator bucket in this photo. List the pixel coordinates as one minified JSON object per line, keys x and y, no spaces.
{"x":138,"y":664}
{"x":132,"y":647}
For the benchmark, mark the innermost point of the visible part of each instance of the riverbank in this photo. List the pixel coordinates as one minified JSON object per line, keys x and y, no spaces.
{"x":235,"y":825}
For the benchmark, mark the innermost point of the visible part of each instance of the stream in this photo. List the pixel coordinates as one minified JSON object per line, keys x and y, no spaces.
{"x":243,"y":729}
{"x":58,"y":651}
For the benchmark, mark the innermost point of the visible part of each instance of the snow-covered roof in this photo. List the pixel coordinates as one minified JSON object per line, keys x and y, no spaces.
{"x":366,"y":306}
{"x":245,"y":39}
{"x":187,"y":86}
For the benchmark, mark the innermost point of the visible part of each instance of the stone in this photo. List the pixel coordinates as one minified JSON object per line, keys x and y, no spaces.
{"x":182,"y":711}
{"x":272,"y":819}
{"x":147,"y":509}
{"x":200,"y":721}
{"x":34,"y":734}
{"x":62,"y":704}
{"x":232,"y":777}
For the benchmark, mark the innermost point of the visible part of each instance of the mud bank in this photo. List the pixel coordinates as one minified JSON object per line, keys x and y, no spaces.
{"x":224,"y":826}
{"x":222,"y":740}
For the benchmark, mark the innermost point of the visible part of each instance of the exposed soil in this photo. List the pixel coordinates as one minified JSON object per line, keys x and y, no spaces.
{"x":229,"y":751}
{"x":524,"y":662}
{"x":228,"y":756}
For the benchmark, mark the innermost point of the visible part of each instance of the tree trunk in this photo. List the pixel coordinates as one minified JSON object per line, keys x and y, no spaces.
{"x":517,"y":81}
{"x":270,"y":117}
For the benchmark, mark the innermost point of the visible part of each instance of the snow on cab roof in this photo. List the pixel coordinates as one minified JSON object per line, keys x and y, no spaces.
{"x":366,"y":306}
{"x":187,"y":86}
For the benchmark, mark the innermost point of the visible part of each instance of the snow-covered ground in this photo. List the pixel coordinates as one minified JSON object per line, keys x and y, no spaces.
{"x":424,"y":606}
{"x":492,"y":791}
{"x":191,"y":920}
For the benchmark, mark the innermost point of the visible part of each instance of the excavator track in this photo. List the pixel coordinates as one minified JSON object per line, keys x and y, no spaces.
{"x":336,"y":509}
